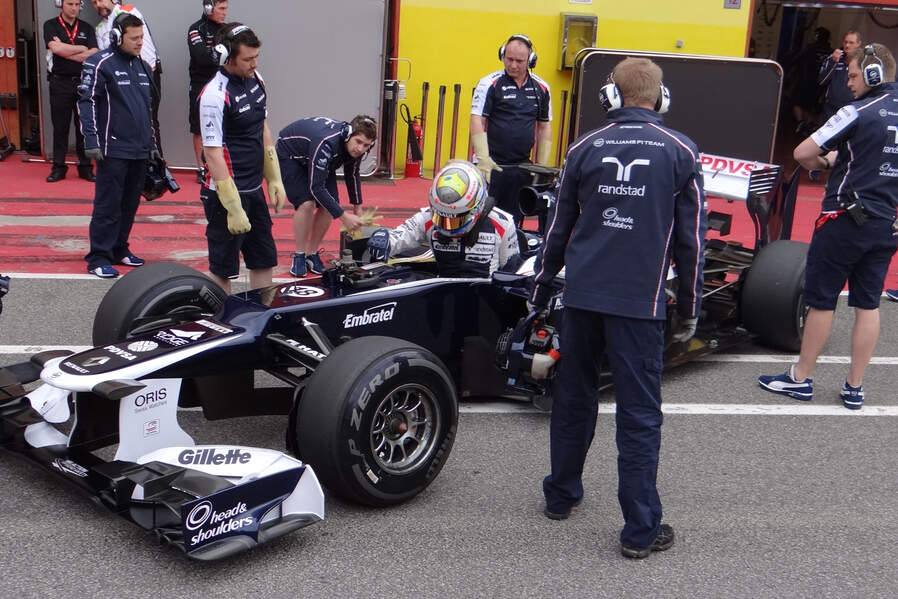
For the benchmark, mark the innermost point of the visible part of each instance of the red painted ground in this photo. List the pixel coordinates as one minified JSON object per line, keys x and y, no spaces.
{"x":43,"y":226}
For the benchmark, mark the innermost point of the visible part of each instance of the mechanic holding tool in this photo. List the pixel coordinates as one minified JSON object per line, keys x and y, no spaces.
{"x":310,"y":151}
{"x":69,"y":41}
{"x":855,"y":236}
{"x":239,"y":151}
{"x":630,"y":198}
{"x":834,"y":75}
{"x":203,"y":66}
{"x":468,"y":235}
{"x":508,"y":107}
{"x":114,"y":110}
{"x":109,"y":10}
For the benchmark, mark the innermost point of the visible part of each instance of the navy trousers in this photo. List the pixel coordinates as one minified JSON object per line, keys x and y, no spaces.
{"x":634,"y":349}
{"x":504,"y":188}
{"x":116,"y":197}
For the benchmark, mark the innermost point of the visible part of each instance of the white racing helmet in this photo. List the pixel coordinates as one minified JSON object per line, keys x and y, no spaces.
{"x":457,"y":197}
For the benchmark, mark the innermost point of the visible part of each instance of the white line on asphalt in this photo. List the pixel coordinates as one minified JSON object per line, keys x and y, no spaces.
{"x":693,"y":409}
{"x":86,"y":277}
{"x":789,"y":358}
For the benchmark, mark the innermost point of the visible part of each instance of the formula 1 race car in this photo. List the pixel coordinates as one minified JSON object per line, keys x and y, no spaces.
{"x":367,"y":361}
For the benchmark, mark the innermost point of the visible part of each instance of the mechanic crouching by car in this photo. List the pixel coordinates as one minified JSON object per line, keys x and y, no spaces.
{"x":855,"y":235}
{"x":468,"y":235}
{"x":630,"y":199}
{"x":114,"y":110}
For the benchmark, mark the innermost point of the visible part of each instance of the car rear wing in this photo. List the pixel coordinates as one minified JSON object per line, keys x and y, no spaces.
{"x":769,"y":196}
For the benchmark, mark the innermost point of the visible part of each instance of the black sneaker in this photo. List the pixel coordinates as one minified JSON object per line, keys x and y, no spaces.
{"x":87,"y":173}
{"x":562,"y":515}
{"x":57,"y":174}
{"x":662,"y":542}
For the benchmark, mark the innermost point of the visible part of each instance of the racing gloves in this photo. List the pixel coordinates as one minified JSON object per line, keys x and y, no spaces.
{"x":272,"y":171}
{"x":686,"y":330}
{"x":544,"y":152}
{"x":227,"y":194}
{"x":379,"y":245}
{"x":482,"y":151}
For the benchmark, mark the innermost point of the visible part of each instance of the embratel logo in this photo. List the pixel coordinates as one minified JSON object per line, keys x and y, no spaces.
{"x":372,"y":315}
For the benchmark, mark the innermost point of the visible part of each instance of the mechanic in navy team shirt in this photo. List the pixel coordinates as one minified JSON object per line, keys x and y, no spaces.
{"x":630,"y":198}
{"x":854,"y":238}
{"x":510,"y":108}
{"x":834,"y":75}
{"x":203,"y":65}
{"x":239,"y":152}
{"x":310,"y":151}
{"x":70,"y":41}
{"x":468,"y":235}
{"x":114,"y":110}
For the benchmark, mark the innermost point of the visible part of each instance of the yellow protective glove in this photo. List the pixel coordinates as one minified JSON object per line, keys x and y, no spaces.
{"x":271,"y":168}
{"x":482,"y":150}
{"x":230,"y":199}
{"x":544,"y":152}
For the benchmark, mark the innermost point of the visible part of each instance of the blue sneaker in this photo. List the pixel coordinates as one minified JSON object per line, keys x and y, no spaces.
{"x":104,"y":271}
{"x":892,"y":294}
{"x":852,"y":397}
{"x":313,"y":261}
{"x":132,"y":260}
{"x":785,"y":384}
{"x":298,"y":269}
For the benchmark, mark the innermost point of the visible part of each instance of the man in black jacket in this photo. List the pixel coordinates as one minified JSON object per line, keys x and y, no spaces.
{"x":114,"y":109}
{"x":310,"y":151}
{"x":70,"y":41}
{"x":202,"y":67}
{"x":630,"y":199}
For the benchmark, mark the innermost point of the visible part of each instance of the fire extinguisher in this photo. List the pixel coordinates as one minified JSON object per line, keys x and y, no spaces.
{"x":414,"y":155}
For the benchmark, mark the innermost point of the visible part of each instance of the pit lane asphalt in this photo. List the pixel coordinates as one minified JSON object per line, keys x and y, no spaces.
{"x":763,"y":506}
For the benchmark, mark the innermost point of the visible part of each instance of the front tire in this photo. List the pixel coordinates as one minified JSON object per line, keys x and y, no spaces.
{"x":377,"y":420}
{"x":152,"y":296}
{"x":772,"y":300}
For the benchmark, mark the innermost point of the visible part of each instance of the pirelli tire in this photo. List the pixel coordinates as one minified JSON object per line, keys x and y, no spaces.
{"x":159,"y":289}
{"x":377,"y":420}
{"x":772,"y":299}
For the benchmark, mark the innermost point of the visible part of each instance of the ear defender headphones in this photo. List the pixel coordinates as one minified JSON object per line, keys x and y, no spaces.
{"x":347,"y":131}
{"x":531,"y":59}
{"x":58,"y":4}
{"x":116,"y":31}
{"x":224,"y":49}
{"x":208,"y":5}
{"x":873,"y":73}
{"x":611,"y":98}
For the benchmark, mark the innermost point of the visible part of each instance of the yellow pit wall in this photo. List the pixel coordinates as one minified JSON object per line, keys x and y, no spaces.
{"x":457,"y":41}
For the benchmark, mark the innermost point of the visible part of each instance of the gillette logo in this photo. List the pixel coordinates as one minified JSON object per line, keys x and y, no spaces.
{"x":375,"y":314}
{"x":210,"y":457}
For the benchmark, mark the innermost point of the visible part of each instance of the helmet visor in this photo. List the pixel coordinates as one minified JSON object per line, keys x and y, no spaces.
{"x":456,"y":224}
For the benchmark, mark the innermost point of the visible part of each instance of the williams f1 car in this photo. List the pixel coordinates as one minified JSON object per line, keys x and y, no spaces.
{"x":366,"y":360}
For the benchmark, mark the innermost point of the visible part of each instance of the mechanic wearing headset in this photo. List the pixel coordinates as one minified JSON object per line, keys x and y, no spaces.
{"x":109,"y":10}
{"x":630,"y":198}
{"x":239,"y":151}
{"x":855,"y":235}
{"x":508,"y":106}
{"x":203,"y":66}
{"x":468,"y":235}
{"x":114,"y":110}
{"x":310,"y":151}
{"x":69,"y":42}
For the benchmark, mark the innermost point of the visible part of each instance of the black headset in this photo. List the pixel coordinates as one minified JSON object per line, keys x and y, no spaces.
{"x":611,"y":98}
{"x":346,"y":131}
{"x":58,"y":4}
{"x":873,"y":72}
{"x":224,"y":49}
{"x":117,"y":31}
{"x":208,"y":6}
{"x":520,"y":37}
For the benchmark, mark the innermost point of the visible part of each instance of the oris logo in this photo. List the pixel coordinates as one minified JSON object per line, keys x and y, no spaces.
{"x":143,"y":346}
{"x":150,"y":397}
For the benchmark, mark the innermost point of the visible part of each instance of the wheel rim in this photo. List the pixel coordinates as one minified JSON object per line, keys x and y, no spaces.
{"x":404,"y":429}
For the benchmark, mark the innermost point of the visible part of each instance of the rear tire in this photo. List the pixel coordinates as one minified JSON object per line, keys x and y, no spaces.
{"x":772,"y":299}
{"x":377,"y":420}
{"x":160,"y":289}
